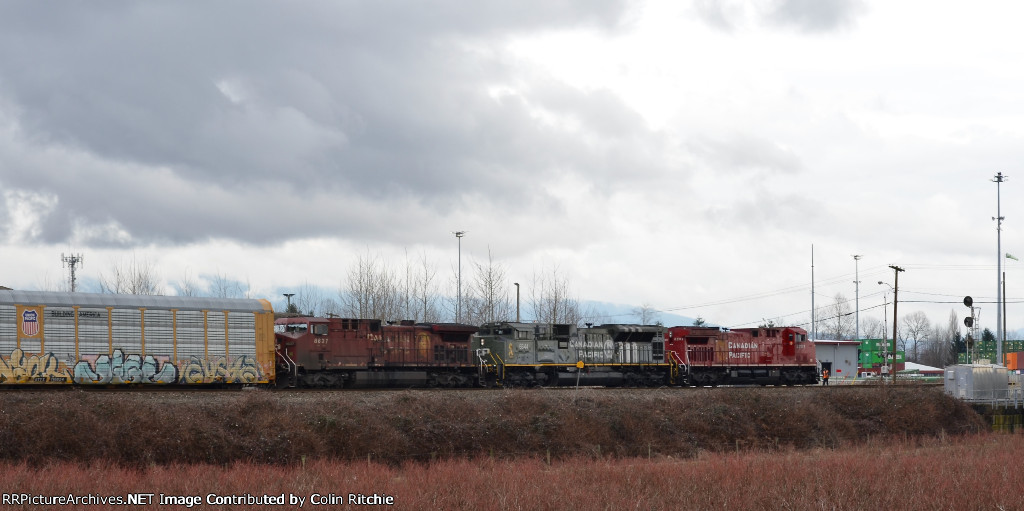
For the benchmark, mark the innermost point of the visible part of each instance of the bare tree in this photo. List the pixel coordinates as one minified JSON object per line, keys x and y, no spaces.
{"x":407,"y":293}
{"x":133,"y":277}
{"x":187,"y":286}
{"x":372,"y":291}
{"x":416,"y":293}
{"x":223,"y":287}
{"x":944,"y":343}
{"x":48,"y":284}
{"x":329,"y":308}
{"x":872,"y":328}
{"x":487,"y":298}
{"x":550,"y":299}
{"x":646,"y":313}
{"x":916,"y":329}
{"x":932,"y":352}
{"x":425,"y":291}
{"x":309,"y":300}
{"x":838,"y":321}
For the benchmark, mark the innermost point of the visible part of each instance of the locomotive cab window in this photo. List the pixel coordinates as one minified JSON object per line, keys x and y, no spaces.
{"x":320,"y":329}
{"x":294,"y":329}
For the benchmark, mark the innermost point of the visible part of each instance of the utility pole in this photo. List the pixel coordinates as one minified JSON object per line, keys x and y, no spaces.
{"x":71,"y":261}
{"x":856,"y":270}
{"x":998,"y":179}
{"x":895,"y":318}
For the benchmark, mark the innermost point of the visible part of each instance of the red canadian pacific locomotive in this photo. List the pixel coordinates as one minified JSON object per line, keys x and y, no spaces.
{"x":772,"y":355}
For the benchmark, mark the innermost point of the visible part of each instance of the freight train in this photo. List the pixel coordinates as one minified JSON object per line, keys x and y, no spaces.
{"x":102,"y":339}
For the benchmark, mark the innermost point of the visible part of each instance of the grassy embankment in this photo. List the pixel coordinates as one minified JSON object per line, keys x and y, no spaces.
{"x":591,"y":449}
{"x":143,"y":429}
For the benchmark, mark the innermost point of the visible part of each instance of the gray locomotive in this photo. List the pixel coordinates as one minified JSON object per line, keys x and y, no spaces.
{"x":529,"y":354}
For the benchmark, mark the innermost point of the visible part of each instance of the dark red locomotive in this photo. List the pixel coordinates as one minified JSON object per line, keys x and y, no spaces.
{"x":766,"y":356}
{"x":340,"y":352}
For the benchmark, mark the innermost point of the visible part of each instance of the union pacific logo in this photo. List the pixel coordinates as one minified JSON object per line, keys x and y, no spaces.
{"x":30,"y":323}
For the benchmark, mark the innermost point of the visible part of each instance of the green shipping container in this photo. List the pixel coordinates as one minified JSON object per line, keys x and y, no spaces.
{"x":870,"y":345}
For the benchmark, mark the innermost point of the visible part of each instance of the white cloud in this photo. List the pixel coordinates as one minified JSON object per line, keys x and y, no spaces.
{"x":678,"y":154}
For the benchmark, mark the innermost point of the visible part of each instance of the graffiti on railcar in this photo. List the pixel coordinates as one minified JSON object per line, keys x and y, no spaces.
{"x":44,"y":368}
{"x":117,"y":369}
{"x":243,"y":369}
{"x":120,"y":368}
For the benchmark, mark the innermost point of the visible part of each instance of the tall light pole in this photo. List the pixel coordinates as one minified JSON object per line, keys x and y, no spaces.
{"x":517,"y":301}
{"x":458,"y":304}
{"x":856,"y":269}
{"x":814,"y":324}
{"x":289,"y":297}
{"x":998,"y":179}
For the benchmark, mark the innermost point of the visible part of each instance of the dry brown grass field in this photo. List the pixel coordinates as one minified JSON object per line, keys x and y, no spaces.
{"x":528,"y":449}
{"x":974,"y":472}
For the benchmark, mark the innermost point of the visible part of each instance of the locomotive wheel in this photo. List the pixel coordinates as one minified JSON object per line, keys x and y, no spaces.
{"x":321,"y":380}
{"x":550,"y":378}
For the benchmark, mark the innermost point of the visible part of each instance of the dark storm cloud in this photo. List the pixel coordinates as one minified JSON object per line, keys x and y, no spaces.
{"x":188,"y":121}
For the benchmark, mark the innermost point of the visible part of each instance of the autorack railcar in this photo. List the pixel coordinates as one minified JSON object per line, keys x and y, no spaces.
{"x":108,"y":339}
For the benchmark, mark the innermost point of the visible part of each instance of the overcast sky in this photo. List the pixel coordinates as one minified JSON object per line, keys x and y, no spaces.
{"x":683,"y":154}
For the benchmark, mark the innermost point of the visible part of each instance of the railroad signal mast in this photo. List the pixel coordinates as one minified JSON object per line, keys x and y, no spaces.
{"x":72,"y":261}
{"x":971,"y":322}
